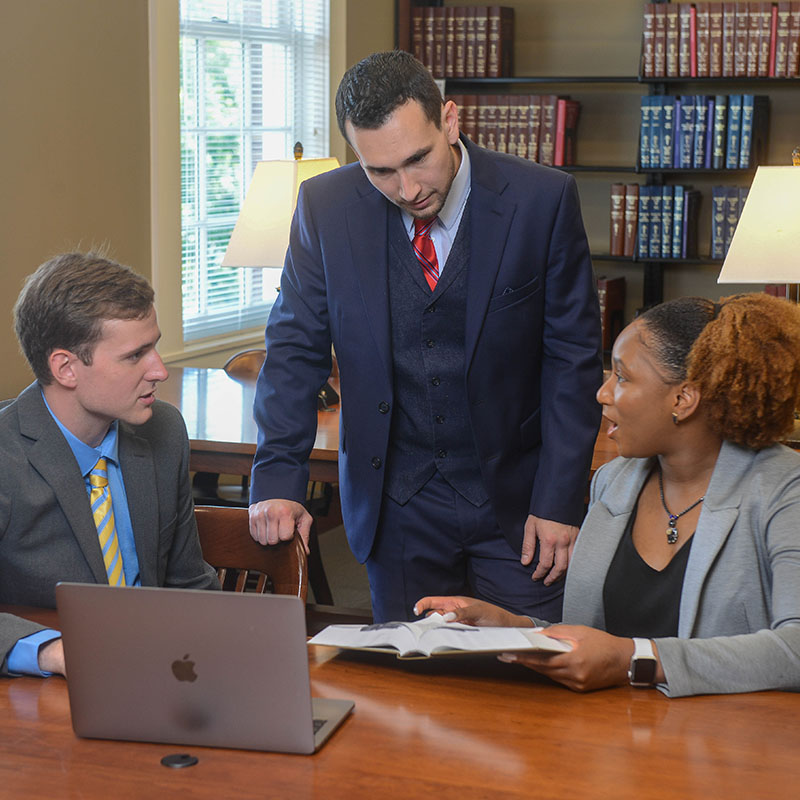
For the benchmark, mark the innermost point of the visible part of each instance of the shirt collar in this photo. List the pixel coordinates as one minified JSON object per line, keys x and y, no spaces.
{"x":85,"y":455}
{"x":456,"y":197}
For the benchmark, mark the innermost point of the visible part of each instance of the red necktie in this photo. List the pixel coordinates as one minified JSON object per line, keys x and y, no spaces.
{"x":425,"y":251}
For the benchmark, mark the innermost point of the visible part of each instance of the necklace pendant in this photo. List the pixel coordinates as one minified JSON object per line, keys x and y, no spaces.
{"x":672,"y":534}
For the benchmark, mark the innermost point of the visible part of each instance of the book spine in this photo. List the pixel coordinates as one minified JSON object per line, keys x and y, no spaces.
{"x":481,"y":40}
{"x":746,"y":131}
{"x":709,"y":137}
{"x":672,"y":41}
{"x":703,"y":39}
{"x":684,"y":41}
{"x":656,"y":130}
{"x":731,"y":214}
{"x":535,"y":129}
{"x":687,"y":132}
{"x":666,"y":220}
{"x":547,"y":133}
{"x":654,"y":235}
{"x":450,"y":42}
{"x":793,"y":56}
{"x":484,"y":104}
{"x":753,"y":38}
{"x":715,"y":40}
{"x":648,"y":41}
{"x":469,"y":115}
{"x":493,"y":37}
{"x":469,"y":39}
{"x":644,"y":223}
{"x":764,"y":39}
{"x":667,"y":131}
{"x":524,"y":113}
{"x":700,"y":127}
{"x":782,"y":40}
{"x":718,"y":222}
{"x":506,"y":41}
{"x":617,"y":220}
{"x":417,"y":34}
{"x":677,"y":221}
{"x":676,"y":135}
{"x":561,"y":123}
{"x":491,"y":121}
{"x":513,"y":126}
{"x":427,"y":37}
{"x":742,"y":22}
{"x":438,"y":42}
{"x":571,"y":132}
{"x":734,"y":129}
{"x":693,"y":40}
{"x":460,"y":42}
{"x":728,"y":38}
{"x":611,"y":298}
{"x":644,"y":133}
{"x":631,"y":219}
{"x":720,"y":124}
{"x":503,"y":110}
{"x":691,"y":203}
{"x":660,"y":59}
{"x":773,"y":40}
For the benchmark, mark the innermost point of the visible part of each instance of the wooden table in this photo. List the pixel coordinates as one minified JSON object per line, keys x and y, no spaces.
{"x":454,"y":729}
{"x":222,"y":433}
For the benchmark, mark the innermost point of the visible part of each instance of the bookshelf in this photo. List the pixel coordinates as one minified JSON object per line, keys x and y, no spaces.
{"x":594,"y":49}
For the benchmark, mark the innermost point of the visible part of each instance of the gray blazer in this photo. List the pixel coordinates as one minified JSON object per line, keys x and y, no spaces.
{"x":46,"y":529}
{"x":739,"y":618}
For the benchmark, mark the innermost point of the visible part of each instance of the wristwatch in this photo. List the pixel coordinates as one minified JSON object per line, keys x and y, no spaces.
{"x":642,"y":672}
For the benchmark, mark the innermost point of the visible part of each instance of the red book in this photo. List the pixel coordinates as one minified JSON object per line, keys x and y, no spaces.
{"x":482,"y":120}
{"x":416,"y":34}
{"x":648,"y":40}
{"x":514,"y":107}
{"x":773,"y":41}
{"x":450,"y":42}
{"x":561,"y":123}
{"x":728,"y":38}
{"x":469,"y":53}
{"x":703,"y":38}
{"x":503,"y":111}
{"x":617,"y":220}
{"x":793,"y":58}
{"x":715,"y":40}
{"x":438,"y":42}
{"x":782,"y":40}
{"x":427,"y":37}
{"x":611,"y":298}
{"x":693,"y":40}
{"x":490,"y":121}
{"x":501,"y":42}
{"x":481,"y":40}
{"x":534,"y":127}
{"x":547,"y":130}
{"x":672,"y":41}
{"x":685,"y":41}
{"x":571,"y":132}
{"x":524,"y":124}
{"x":468,"y":116}
{"x":460,"y":42}
{"x":764,"y":39}
{"x":660,"y":62}
{"x":631,"y":219}
{"x":740,"y":41}
{"x":753,"y":38}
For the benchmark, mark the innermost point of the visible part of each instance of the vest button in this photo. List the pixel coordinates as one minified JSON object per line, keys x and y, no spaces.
{"x":439,"y":419}
{"x":441,"y":453}
{"x":430,"y":343}
{"x":376,"y":463}
{"x":383,"y":407}
{"x":436,"y":381}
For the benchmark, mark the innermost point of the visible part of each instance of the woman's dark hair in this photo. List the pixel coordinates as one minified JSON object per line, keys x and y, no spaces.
{"x":744,"y":356}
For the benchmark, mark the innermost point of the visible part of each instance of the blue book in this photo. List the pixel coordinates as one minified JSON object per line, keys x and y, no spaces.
{"x":719,"y":138}
{"x":743,"y":190}
{"x":667,"y":130}
{"x":718,"y":222}
{"x":709,"y":132}
{"x":655,"y":130}
{"x":666,"y":221}
{"x":643,"y":238}
{"x":746,"y":130}
{"x":731,"y":213}
{"x":686,"y":144}
{"x":755,"y":116}
{"x":700,"y":129}
{"x":734,"y":128}
{"x":655,"y":222}
{"x":644,"y":133}
{"x":677,"y":221}
{"x":691,"y":204}
{"x":676,"y":135}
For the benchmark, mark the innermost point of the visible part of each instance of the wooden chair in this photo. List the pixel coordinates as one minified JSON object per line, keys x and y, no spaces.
{"x":243,"y":564}
{"x":246,"y":364}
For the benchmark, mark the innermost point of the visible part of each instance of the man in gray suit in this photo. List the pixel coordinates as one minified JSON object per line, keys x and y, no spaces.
{"x":88,"y":329}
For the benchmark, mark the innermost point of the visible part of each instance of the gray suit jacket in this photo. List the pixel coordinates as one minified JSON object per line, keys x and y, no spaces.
{"x":739,"y":619}
{"x":46,"y":529}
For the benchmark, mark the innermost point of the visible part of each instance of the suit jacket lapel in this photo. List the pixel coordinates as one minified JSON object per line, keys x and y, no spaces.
{"x":367,"y":222}
{"x":491,"y":217}
{"x":719,"y":514}
{"x":52,"y":458}
{"x":139,"y":474}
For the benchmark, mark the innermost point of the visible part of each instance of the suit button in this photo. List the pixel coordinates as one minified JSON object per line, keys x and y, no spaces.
{"x":383,"y":407}
{"x":439,"y":419}
{"x":441,"y":453}
{"x":430,"y":343}
{"x":376,"y":463}
{"x":436,"y":381}
{"x":431,"y":308}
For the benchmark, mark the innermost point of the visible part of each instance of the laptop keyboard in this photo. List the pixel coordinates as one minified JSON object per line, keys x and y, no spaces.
{"x":318,"y":723}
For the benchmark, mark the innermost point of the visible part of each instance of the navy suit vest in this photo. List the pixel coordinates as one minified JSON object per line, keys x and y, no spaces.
{"x":431,"y":427}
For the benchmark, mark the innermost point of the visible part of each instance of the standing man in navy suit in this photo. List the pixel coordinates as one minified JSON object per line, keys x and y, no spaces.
{"x":456,"y":287}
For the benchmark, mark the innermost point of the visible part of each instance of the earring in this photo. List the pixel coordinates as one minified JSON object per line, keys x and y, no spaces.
{"x":674,"y":417}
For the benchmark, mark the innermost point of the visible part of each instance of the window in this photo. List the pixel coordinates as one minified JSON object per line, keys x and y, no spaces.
{"x":254,"y":80}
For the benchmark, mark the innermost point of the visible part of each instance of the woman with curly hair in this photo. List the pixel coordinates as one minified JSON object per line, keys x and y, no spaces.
{"x":686,"y":573}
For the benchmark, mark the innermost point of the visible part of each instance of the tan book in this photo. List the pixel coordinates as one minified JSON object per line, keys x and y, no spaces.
{"x":648,"y":41}
{"x":728,"y":38}
{"x":481,"y":40}
{"x":660,"y":40}
{"x":685,"y":40}
{"x":742,"y":27}
{"x":753,"y":38}
{"x":715,"y":40}
{"x":764,"y":39}
{"x":703,"y":37}
{"x":672,"y":41}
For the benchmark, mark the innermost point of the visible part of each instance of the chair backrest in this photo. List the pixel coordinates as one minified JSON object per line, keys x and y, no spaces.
{"x":243,"y":564}
{"x":246,"y":364}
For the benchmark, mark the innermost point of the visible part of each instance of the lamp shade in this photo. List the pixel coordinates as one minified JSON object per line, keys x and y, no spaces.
{"x":766,"y":244}
{"x":261,"y":234}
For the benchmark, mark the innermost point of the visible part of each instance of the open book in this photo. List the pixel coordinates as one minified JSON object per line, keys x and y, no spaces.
{"x":432,"y":636}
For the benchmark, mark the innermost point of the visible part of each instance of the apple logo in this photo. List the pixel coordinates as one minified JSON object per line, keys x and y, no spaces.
{"x":183,"y":669}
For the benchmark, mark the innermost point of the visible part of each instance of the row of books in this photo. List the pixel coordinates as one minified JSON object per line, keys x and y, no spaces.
{"x":729,"y":40}
{"x":464,"y":41}
{"x":727,"y":203}
{"x":703,"y":131}
{"x":540,"y":128}
{"x":654,"y":221}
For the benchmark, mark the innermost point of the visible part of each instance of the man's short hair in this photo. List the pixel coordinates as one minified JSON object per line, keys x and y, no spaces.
{"x":65,"y":302}
{"x":372,"y":89}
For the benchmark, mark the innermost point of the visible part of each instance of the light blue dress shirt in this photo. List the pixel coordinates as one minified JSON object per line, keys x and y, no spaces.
{"x":24,"y":656}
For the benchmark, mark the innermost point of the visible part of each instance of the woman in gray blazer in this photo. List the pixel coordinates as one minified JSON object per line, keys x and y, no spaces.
{"x":686,"y":573}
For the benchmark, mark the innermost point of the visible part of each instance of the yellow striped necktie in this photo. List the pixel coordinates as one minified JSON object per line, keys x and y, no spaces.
{"x":103,"y":513}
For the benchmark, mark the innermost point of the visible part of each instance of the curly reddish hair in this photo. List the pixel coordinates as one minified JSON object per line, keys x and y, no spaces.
{"x":744,"y":356}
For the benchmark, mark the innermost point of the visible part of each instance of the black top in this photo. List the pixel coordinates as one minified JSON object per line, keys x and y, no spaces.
{"x":640,"y":600}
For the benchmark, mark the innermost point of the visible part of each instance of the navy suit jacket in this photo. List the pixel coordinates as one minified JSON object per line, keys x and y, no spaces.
{"x":531,"y":343}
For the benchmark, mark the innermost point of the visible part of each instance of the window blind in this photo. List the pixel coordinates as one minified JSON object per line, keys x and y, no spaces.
{"x":254,"y":80}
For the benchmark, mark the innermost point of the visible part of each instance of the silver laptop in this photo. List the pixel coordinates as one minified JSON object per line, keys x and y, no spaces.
{"x":183,"y":666}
